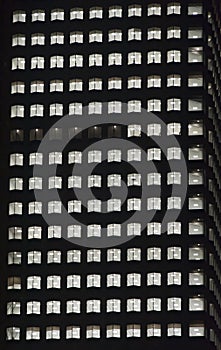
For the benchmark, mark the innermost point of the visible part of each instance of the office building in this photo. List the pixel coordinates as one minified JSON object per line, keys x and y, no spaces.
{"x":159,"y":289}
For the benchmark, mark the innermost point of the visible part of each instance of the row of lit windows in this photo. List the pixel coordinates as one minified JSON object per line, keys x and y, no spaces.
{"x":75,"y":181}
{"x":173,"y":8}
{"x":195,"y":178}
{"x":112,"y":331}
{"x":195,"y":128}
{"x":133,"y":106}
{"x":195,"y":278}
{"x":112,"y":205}
{"x":94,"y":255}
{"x":95,"y":156}
{"x":113,"y":35}
{"x":134,"y":229}
{"x":94,"y":230}
{"x":112,"y":305}
{"x":77,"y":60}
{"x":113,"y":180}
{"x":134,"y":82}
{"x":195,"y":55}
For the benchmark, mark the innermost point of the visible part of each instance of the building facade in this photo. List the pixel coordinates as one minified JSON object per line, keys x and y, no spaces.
{"x":160,"y":288}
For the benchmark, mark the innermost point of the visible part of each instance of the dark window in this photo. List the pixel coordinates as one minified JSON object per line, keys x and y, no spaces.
{"x":16,"y":135}
{"x":55,"y":134}
{"x":74,"y":133}
{"x":36,"y":134}
{"x":114,"y":131}
{"x":94,"y":132}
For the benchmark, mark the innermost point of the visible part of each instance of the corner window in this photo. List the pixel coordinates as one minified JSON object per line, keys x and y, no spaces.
{"x":196,"y":203}
{"x":195,"y":80}
{"x":196,"y":304}
{"x":195,"y":54}
{"x":197,"y":330}
{"x":195,"y":128}
{"x":195,"y":105}
{"x":195,"y":9}
{"x":196,"y":253}
{"x":195,"y":33}
{"x":195,"y":153}
{"x":196,"y":177}
{"x":196,"y":278}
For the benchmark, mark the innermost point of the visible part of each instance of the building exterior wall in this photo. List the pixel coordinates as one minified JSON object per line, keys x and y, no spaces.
{"x":161,"y":288}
